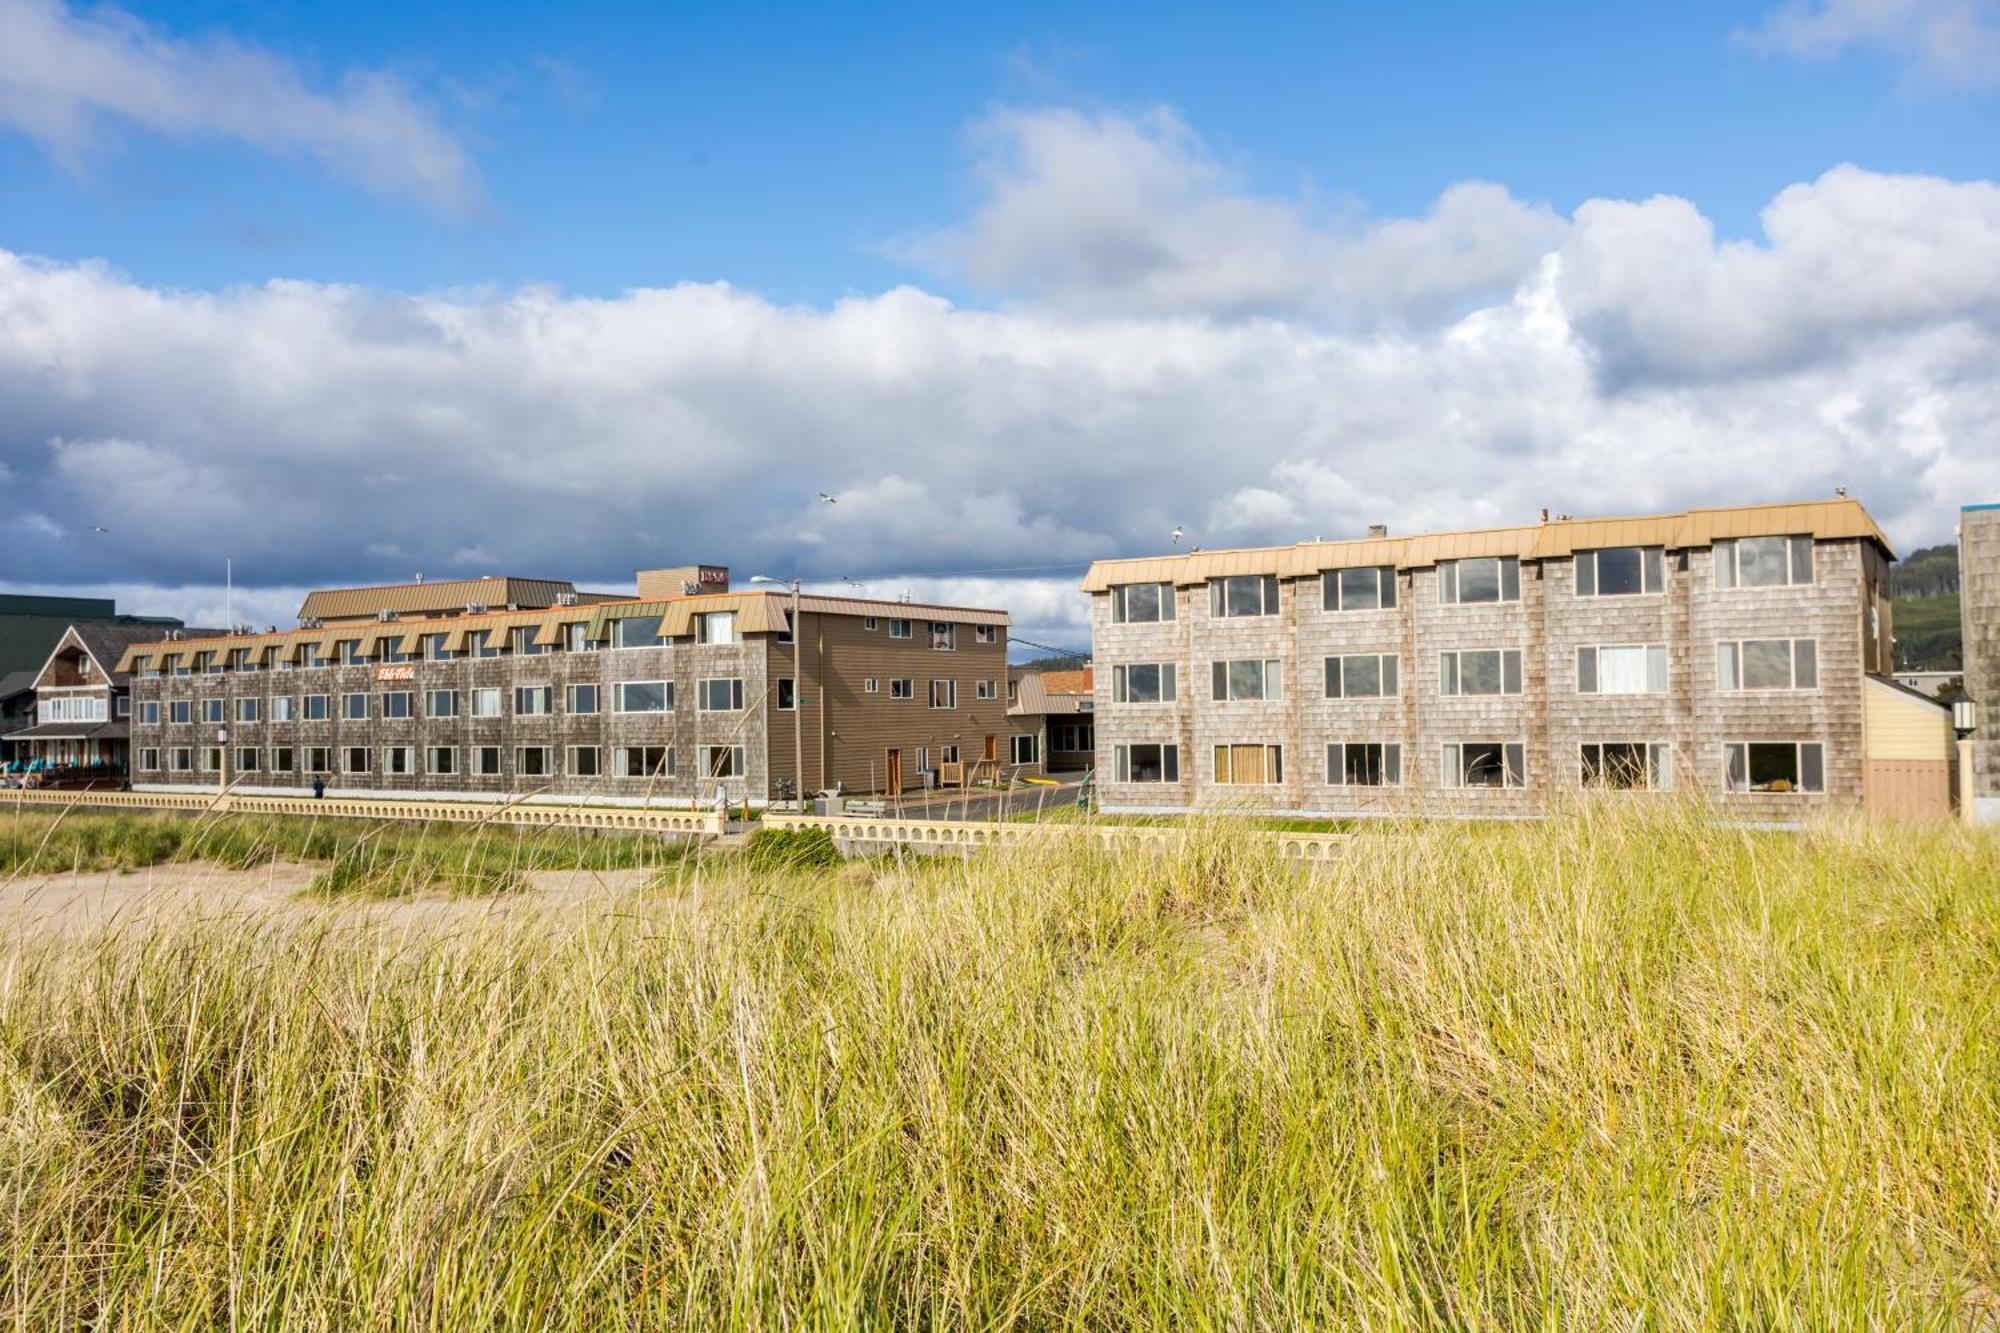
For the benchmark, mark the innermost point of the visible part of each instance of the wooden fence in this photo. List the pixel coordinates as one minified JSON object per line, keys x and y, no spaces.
{"x":682,"y":823}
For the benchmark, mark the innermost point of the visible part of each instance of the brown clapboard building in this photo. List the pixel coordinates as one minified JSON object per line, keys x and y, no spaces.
{"x":1741,"y":652}
{"x":504,"y":688}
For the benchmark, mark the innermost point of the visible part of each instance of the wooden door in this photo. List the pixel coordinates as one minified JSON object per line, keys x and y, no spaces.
{"x":895,"y":772}
{"x":992,"y":749}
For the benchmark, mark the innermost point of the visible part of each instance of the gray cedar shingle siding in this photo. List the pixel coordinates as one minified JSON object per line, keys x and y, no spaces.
{"x":1979,"y":592}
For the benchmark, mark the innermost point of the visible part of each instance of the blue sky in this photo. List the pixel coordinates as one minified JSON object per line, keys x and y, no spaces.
{"x":783,"y":147}
{"x":346,"y":292}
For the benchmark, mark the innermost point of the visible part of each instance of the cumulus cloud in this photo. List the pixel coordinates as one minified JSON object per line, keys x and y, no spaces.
{"x":67,"y":74}
{"x":321,"y":433}
{"x":1953,"y":42}
{"x":1134,"y":214}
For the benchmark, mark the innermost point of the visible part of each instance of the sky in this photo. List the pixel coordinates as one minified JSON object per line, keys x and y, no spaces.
{"x":344,"y":294}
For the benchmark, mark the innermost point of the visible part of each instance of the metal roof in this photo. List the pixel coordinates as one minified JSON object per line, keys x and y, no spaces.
{"x":1827,"y":520}
{"x":440,"y":595}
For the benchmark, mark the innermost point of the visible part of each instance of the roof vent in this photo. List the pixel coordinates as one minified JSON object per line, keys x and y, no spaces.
{"x":1378,"y":530}
{"x":385,"y":614}
{"x":475,"y":608}
{"x":565,"y":599}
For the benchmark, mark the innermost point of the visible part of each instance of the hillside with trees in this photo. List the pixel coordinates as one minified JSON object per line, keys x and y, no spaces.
{"x":1924,"y":590}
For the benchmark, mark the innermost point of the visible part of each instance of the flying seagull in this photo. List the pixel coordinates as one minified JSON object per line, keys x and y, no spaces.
{"x":1177,"y":534}
{"x":828,"y":498}
{"x":96,"y":528}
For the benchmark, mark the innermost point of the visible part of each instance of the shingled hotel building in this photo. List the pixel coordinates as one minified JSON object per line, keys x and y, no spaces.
{"x":504,"y":687}
{"x":1742,"y":652}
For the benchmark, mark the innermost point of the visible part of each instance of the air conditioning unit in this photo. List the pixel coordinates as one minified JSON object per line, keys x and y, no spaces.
{"x":385,"y":614}
{"x":475,"y":609}
{"x":565,"y":599}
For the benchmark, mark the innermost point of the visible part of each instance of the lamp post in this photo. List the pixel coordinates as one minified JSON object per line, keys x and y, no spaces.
{"x":798,"y":695}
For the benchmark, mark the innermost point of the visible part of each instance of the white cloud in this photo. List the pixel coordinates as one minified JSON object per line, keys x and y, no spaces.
{"x":321,"y":434}
{"x":1954,"y":42}
{"x":65,"y":74}
{"x":1134,"y":214}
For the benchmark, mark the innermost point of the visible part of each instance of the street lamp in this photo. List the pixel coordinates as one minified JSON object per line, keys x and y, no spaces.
{"x":798,"y":694}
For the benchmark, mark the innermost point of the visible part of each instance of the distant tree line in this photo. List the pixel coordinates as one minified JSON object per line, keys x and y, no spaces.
{"x":1924,"y":587}
{"x":1930,"y":572}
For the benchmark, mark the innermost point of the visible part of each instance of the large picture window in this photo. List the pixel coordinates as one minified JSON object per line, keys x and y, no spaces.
{"x":1144,"y":683}
{"x":1362,"y":676}
{"x":1763,"y":562}
{"x":636,"y":632}
{"x":1626,"y":765}
{"x":720,"y":694}
{"x":723,"y":761}
{"x":1245,"y":678}
{"x":1372,"y":589}
{"x":1364,"y":764}
{"x":944,"y":694}
{"x":1480,"y":671}
{"x":1485,"y":579}
{"x":1774,"y":766}
{"x":1486,"y":764}
{"x":642,"y":696}
{"x":1633,"y":668}
{"x":642,"y":761}
{"x":1767,"y":664}
{"x":1142,"y":603}
{"x":1146,"y":763}
{"x":1621,"y":571}
{"x":1243,"y":595}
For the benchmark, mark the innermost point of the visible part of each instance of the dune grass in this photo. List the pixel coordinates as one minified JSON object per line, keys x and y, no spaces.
{"x":1619,"y":1070}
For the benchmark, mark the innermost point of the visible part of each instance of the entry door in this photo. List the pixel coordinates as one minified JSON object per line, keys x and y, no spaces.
{"x":992,"y":749}
{"x":895,"y":771}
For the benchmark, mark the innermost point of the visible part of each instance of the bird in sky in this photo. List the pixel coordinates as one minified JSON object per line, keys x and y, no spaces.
{"x":828,"y":498}
{"x":1177,"y":534}
{"x":96,"y":528}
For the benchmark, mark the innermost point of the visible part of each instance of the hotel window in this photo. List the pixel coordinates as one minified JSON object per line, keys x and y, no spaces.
{"x":787,"y":695}
{"x":1487,"y":579}
{"x":1767,"y":664}
{"x":868,"y":623}
{"x":1072,"y":737}
{"x":1363,"y":676}
{"x":391,"y":650}
{"x":1372,"y":589}
{"x":1763,"y":562}
{"x":1249,"y":765}
{"x":281,"y":759}
{"x":532,"y":761}
{"x":576,"y":638}
{"x":283,"y":708}
{"x":486,"y":703}
{"x":580,"y":699}
{"x":311,"y":656}
{"x":722,"y":761}
{"x":586,"y":761}
{"x":1146,"y":763}
{"x":211,"y":759}
{"x":441,"y":703}
{"x":121,"y":707}
{"x":1364,"y":764}
{"x":319,"y":759}
{"x":149,"y":713}
{"x":486,"y":761}
{"x":354,"y":707}
{"x":643,"y":761}
{"x":985,"y":689}
{"x":533,"y":700}
{"x":1633,"y":668}
{"x":902,"y":688}
{"x":148,"y":669}
{"x":1144,"y":683}
{"x":347,"y":652}
{"x":899,"y":629}
{"x":719,"y":694}
{"x":213,"y":710}
{"x":944,"y":694}
{"x":398,"y":760}
{"x":1480,"y":671}
{"x":524,"y":642}
{"x":944,"y":636}
{"x":149,"y":760}
{"x":947,"y":754}
{"x":1486,"y":764}
{"x":357,"y":759}
{"x":246,"y":760}
{"x":1246,"y":678}
{"x":1621,"y":571}
{"x":396,"y":704}
{"x":985,"y":634}
{"x":1142,"y":603}
{"x":441,"y":760}
{"x":717,"y":627}
{"x":484,"y":642}
{"x":871,"y":685}
{"x":246,"y":710}
{"x":180,"y":711}
{"x":211,"y":664}
{"x":316,"y":707}
{"x":642,"y":696}
{"x":241,"y":660}
{"x":1025,"y":749}
{"x":182,"y":758}
{"x":1774,"y":766}
{"x":178,"y":663}
{"x":434,"y":648}
{"x":1243,"y":595}
{"x":923,"y":759}
{"x":1626,"y":765}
